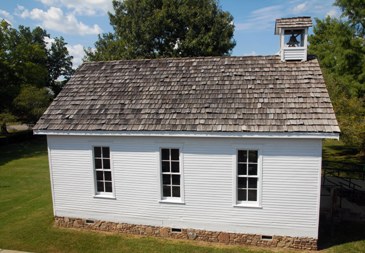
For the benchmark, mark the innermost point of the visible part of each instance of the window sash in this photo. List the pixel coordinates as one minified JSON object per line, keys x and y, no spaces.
{"x":170,"y":173}
{"x":102,"y":170}
{"x":247,"y":178}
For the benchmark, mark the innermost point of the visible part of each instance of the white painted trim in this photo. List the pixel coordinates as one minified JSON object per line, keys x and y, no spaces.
{"x":282,"y":42}
{"x":103,"y":195}
{"x":252,"y":204}
{"x":171,"y":200}
{"x":319,"y":188}
{"x":289,"y":135}
{"x":247,"y":206}
{"x":51,"y":177}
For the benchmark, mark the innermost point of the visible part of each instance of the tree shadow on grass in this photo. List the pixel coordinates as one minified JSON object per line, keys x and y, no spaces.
{"x":337,"y":233}
{"x":28,"y":146}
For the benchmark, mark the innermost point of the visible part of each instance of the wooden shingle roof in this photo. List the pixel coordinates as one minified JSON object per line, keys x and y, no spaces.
{"x":207,"y":94}
{"x":296,"y":22}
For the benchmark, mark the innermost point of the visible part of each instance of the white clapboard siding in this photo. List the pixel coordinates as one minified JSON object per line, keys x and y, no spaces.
{"x":290,"y":184}
{"x":293,"y":53}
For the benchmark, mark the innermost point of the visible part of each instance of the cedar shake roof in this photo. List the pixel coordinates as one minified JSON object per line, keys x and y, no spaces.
{"x":297,"y":22}
{"x":204,"y":94}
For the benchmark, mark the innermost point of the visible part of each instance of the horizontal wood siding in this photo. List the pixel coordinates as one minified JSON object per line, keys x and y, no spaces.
{"x":295,"y":53}
{"x":290,"y":193}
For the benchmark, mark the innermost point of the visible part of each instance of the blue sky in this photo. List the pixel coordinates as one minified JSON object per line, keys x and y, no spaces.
{"x":80,"y":21}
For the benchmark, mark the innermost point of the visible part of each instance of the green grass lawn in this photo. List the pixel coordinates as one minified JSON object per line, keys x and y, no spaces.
{"x":26,"y":218}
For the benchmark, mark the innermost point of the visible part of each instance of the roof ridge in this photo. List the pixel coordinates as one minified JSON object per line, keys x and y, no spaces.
{"x":185,"y":58}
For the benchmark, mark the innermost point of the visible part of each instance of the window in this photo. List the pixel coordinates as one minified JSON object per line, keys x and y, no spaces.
{"x":247,"y":176}
{"x":170,"y":173}
{"x":103,"y":173}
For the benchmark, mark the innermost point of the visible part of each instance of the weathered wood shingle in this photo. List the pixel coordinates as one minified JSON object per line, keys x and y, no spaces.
{"x":296,"y":22}
{"x":208,"y":94}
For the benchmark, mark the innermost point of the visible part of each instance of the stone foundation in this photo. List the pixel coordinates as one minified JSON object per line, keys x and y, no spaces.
{"x":190,"y":234}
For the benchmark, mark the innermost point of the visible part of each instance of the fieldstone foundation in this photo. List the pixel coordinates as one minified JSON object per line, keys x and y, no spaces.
{"x":190,"y":234}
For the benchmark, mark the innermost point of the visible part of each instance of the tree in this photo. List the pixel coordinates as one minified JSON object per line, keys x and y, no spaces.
{"x":28,"y":66}
{"x":31,"y":102}
{"x":341,"y":53}
{"x":59,"y":65}
{"x":165,"y":28}
{"x":354,"y":10}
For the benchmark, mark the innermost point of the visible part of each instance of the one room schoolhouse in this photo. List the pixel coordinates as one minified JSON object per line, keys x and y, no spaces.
{"x":221,"y":149}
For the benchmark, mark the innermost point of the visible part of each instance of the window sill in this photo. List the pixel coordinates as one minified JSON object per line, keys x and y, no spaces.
{"x":169,"y":201}
{"x":247,"y":206}
{"x":104,"y":197}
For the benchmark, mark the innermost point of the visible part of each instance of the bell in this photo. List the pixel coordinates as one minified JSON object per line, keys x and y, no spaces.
{"x":293,"y":42}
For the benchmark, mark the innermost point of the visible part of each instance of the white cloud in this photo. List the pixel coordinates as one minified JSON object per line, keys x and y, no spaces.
{"x":6,"y":16}
{"x":334,"y":13}
{"x":77,"y":51}
{"x":300,"y":8}
{"x":82,"y":7}
{"x":261,"y":19}
{"x":264,"y":18}
{"x":48,"y":41}
{"x":55,"y":19}
{"x":48,"y":2}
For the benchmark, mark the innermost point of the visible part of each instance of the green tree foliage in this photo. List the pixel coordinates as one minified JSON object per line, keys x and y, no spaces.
{"x":354,"y":10}
{"x":341,"y":52}
{"x":31,"y":102}
{"x":350,"y":111}
{"x":165,"y":28}
{"x":26,"y":61}
{"x":59,"y":64}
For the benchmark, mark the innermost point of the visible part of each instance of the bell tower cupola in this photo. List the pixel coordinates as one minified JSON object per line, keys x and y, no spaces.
{"x":293,"y":34}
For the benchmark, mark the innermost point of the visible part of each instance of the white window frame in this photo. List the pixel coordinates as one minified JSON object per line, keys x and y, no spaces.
{"x":98,"y":194}
{"x":258,"y":202}
{"x":172,"y":200}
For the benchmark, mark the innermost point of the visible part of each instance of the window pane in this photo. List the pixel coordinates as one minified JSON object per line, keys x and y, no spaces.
{"x":241,"y":195}
{"x":166,"y":179}
{"x":165,"y":167}
{"x":176,"y":179}
{"x":252,"y":183}
{"x":175,"y":154}
{"x":252,"y":195}
{"x":242,"y":169}
{"x":100,"y":186}
{"x":108,"y":187}
{"x":106,"y":163}
{"x":242,"y":182}
{"x":97,"y":151}
{"x":166,"y":191}
{"x":252,"y":169}
{"x":252,"y":156}
{"x":165,"y":154}
{"x":108,"y":176}
{"x":99,"y":175}
{"x":242,"y":156}
{"x":98,"y":164}
{"x":176,"y":191}
{"x":106,"y":152}
{"x":175,"y":167}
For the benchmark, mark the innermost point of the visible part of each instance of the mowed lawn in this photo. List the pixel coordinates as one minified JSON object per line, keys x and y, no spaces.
{"x":26,"y":218}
